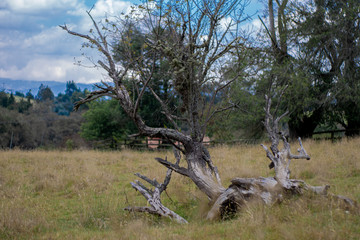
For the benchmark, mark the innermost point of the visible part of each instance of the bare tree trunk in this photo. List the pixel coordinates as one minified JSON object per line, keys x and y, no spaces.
{"x":188,"y":58}
{"x":200,"y":170}
{"x":272,"y":25}
{"x":271,"y":189}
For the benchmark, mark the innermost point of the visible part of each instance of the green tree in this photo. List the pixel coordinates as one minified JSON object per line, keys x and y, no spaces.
{"x":330,"y":39}
{"x":11,"y":101}
{"x":71,"y":88}
{"x":64,"y":103}
{"x":19,"y":94}
{"x":4,"y":99}
{"x":23,"y":106}
{"x":106,"y":120}
{"x":29,"y":95}
{"x":133,"y":46}
{"x":44,"y":94}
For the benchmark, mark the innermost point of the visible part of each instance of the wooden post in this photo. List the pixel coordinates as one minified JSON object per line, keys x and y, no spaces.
{"x":11,"y":140}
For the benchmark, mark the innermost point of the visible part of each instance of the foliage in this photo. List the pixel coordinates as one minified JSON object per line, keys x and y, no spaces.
{"x":64,"y":103}
{"x":19,"y":94}
{"x":328,"y":37}
{"x":44,"y":94}
{"x":38,"y":127}
{"x":312,"y":50}
{"x":10,"y":102}
{"x":29,"y":125}
{"x":104,"y":120}
{"x":29,"y":95}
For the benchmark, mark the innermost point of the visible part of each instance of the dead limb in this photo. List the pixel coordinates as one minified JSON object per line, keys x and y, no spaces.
{"x":272,"y":189}
{"x":154,"y":196}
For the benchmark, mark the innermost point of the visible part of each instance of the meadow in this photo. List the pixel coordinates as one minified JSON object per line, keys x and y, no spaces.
{"x":81,"y":195}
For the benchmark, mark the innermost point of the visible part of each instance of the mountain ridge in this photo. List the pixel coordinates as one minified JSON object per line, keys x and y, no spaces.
{"x":24,"y":86}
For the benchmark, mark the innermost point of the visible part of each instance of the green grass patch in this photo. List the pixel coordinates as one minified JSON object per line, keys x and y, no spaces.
{"x":81,"y":195}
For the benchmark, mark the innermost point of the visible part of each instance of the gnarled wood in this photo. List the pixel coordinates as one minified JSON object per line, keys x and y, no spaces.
{"x":271,"y":189}
{"x":153,"y":196}
{"x":191,"y":60}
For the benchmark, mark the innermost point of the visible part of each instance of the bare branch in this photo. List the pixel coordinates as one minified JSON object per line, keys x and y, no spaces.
{"x":176,"y":168}
{"x":219,"y":110}
{"x":152,"y":182}
{"x":153,"y":197}
{"x":146,"y":82}
{"x":92,"y":96}
{"x":270,"y":156}
{"x":302,"y":152}
{"x":165,"y":108}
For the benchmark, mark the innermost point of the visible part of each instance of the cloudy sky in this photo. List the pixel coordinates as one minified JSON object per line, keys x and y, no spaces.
{"x":33,"y":47}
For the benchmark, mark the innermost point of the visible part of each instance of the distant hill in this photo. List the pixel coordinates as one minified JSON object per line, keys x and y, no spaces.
{"x":24,"y":86}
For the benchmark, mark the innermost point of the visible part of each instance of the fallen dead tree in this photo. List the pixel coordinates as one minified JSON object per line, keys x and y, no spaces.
{"x":243,"y":190}
{"x":153,"y":196}
{"x":174,"y":32}
{"x":271,"y":189}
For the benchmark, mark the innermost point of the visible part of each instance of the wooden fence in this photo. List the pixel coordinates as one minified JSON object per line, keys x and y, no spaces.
{"x":333,"y":135}
{"x":161,"y":144}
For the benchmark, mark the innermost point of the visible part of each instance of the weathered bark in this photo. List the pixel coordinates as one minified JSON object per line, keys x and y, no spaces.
{"x":154,"y":196}
{"x":192,"y":59}
{"x":272,"y":25}
{"x":200,"y":170}
{"x":271,"y":189}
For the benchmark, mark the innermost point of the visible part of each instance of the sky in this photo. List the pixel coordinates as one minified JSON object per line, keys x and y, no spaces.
{"x":34,"y":47}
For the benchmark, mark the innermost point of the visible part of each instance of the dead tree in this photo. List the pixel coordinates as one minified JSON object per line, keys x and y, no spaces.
{"x":271,"y":189}
{"x":197,"y":43}
{"x":153,"y":196}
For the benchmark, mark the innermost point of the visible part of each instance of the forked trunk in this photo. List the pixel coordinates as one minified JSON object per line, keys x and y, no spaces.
{"x":200,"y":169}
{"x":202,"y":172}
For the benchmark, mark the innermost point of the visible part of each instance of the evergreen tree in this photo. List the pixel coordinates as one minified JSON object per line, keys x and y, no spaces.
{"x":4,"y":99}
{"x":71,"y":88}
{"x":29,"y":95}
{"x":106,"y":120}
{"x":11,"y":100}
{"x":44,"y":94}
{"x":19,"y":94}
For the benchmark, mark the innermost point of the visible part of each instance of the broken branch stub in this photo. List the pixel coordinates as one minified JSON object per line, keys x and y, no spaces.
{"x":271,"y":189}
{"x":154,"y":196}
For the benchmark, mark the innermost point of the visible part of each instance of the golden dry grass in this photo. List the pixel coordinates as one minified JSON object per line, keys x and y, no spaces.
{"x":81,"y":195}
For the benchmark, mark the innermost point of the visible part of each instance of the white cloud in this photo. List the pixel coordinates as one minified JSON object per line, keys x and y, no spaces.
{"x":225,"y":23}
{"x":33,"y":47}
{"x":101,"y":10}
{"x":35,"y":6}
{"x":53,"y":69}
{"x":110,"y":7}
{"x":51,"y":41}
{"x":253,"y":26}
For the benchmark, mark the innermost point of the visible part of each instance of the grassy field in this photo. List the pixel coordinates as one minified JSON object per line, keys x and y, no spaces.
{"x":81,"y":195}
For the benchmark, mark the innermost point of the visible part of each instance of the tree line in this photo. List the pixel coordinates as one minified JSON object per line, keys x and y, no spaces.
{"x":311,"y":48}
{"x":308,"y":50}
{"x":41,"y":121}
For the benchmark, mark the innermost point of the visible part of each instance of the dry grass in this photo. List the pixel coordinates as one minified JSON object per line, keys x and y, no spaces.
{"x":81,"y":194}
